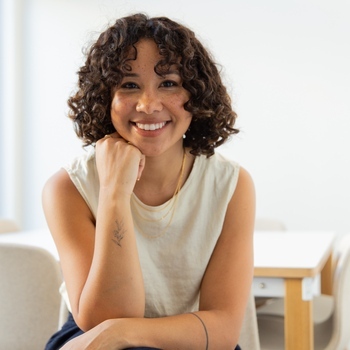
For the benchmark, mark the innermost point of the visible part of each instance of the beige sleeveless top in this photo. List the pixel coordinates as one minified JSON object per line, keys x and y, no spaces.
{"x":173,"y":256}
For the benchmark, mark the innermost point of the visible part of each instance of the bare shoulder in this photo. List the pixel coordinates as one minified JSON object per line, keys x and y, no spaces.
{"x":245,"y":179}
{"x":58,"y":183}
{"x":245,"y":189}
{"x":62,"y":202}
{"x":240,"y":214}
{"x":59,"y":191}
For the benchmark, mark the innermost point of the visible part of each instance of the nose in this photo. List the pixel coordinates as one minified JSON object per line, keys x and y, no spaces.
{"x":149,"y":102}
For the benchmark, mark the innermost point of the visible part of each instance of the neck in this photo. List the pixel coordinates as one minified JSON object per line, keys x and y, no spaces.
{"x":161,"y":176}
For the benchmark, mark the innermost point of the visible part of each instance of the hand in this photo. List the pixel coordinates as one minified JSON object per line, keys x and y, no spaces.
{"x":119,"y":163}
{"x":101,"y":337}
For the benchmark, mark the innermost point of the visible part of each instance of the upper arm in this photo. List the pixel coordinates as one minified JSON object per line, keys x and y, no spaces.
{"x":71,"y":224}
{"x":227,"y":281}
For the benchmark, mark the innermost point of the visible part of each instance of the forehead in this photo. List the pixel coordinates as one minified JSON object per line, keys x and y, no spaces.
{"x":145,"y":55}
{"x":145,"y":48}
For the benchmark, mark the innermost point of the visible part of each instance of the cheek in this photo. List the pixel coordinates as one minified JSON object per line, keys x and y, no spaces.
{"x":179,"y":102}
{"x":120,"y":107}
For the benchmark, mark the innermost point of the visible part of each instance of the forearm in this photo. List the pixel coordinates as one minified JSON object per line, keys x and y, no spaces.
{"x":219,"y":329}
{"x":114,"y":286}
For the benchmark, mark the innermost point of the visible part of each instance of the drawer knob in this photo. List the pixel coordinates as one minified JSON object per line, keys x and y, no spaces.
{"x":262,"y":285}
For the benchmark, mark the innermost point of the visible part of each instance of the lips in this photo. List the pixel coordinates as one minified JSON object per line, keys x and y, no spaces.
{"x":155,"y":126}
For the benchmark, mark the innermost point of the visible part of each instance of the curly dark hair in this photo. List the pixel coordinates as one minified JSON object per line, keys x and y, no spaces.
{"x":213,"y":118}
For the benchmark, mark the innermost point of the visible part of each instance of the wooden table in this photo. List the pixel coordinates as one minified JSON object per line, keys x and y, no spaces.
{"x":287,"y":264}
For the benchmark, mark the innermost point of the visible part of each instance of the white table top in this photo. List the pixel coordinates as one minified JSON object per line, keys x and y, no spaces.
{"x":291,"y":250}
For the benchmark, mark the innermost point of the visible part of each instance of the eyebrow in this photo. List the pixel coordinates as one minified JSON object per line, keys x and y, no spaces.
{"x":173,"y":71}
{"x":131,"y":75}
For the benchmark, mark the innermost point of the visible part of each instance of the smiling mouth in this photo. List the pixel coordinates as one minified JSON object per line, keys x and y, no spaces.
{"x":151,"y":127}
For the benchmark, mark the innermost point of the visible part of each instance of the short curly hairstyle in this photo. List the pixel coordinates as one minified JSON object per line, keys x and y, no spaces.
{"x":213,"y":118}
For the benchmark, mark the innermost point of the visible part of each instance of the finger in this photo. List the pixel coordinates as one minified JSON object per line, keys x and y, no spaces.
{"x":114,"y":135}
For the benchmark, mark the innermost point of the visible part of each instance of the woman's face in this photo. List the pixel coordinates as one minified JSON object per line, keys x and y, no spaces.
{"x":148,"y":109}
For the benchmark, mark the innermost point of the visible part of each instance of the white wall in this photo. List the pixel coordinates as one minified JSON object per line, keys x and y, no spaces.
{"x":286,"y":64}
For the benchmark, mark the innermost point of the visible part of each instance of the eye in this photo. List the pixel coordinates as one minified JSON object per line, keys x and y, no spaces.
{"x":129,"y":85}
{"x":169,"y":83}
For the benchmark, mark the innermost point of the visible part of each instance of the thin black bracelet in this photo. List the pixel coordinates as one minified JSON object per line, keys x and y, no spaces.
{"x":205,"y":329}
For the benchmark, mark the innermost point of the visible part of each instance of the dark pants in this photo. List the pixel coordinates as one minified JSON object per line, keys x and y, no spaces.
{"x":70,"y":330}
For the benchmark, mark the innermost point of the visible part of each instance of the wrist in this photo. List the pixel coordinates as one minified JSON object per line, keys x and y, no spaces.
{"x":114,"y":195}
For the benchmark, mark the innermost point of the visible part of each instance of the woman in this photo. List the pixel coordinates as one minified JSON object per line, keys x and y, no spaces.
{"x":154,"y":230}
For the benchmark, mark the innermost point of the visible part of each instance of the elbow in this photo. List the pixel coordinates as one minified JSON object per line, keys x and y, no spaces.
{"x":229,"y":333}
{"x":232,"y":344}
{"x":230,"y":341}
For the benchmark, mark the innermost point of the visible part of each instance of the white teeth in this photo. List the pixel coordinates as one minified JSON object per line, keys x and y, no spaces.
{"x":150,"y":126}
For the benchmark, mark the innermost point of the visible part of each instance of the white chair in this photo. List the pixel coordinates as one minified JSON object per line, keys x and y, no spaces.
{"x":249,"y":337}
{"x":29,"y":297}
{"x":331,"y":313}
{"x":7,"y":225}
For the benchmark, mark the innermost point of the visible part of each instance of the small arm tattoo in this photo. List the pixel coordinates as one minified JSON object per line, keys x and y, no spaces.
{"x":118,"y":233}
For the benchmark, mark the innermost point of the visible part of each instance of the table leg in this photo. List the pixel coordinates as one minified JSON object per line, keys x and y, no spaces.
{"x":298,"y":327}
{"x":327,"y":277}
